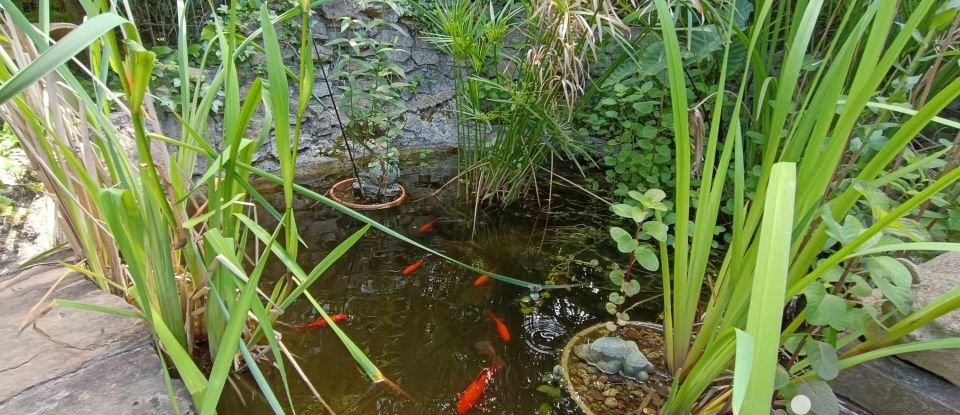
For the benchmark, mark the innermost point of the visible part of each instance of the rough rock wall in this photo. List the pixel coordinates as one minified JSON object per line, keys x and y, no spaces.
{"x":429,"y":120}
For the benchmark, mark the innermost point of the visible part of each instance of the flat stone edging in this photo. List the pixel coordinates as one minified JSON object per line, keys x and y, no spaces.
{"x":77,"y":362}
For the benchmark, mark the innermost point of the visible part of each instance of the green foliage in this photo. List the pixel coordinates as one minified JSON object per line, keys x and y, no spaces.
{"x":629,"y":117}
{"x":646,"y":211}
{"x":372,"y":82}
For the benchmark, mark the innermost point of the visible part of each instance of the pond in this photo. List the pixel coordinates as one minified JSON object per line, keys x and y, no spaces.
{"x":422,"y":329}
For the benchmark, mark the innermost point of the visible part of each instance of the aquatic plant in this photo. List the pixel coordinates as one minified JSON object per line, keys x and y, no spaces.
{"x":372,"y":84}
{"x":514,"y":106}
{"x":786,"y":240}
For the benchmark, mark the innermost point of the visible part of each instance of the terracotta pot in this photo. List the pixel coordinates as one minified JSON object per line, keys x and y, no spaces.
{"x":347,"y":185}
{"x":568,"y":354}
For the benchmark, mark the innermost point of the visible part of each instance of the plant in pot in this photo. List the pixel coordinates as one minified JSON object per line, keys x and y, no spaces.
{"x":371,"y":87}
{"x":820,"y":227}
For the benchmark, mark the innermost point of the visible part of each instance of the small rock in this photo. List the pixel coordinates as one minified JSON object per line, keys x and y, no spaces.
{"x":610,"y":392}
{"x":611,"y":402}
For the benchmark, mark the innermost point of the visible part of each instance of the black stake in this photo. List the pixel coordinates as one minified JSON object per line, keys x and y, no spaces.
{"x":343,"y":131}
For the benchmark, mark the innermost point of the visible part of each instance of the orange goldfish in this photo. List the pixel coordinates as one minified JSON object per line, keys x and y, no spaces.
{"x":472,"y":394}
{"x":320,"y":322}
{"x":483,"y":279}
{"x":427,"y":225}
{"x":412,"y":267}
{"x":501,"y":327}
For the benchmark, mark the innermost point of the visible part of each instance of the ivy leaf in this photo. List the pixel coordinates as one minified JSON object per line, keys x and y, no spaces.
{"x":616,"y":277}
{"x":656,"y":229}
{"x":825,"y":309}
{"x":646,"y":258}
{"x":823,"y":359}
{"x":631,"y":288}
{"x":893,"y":279}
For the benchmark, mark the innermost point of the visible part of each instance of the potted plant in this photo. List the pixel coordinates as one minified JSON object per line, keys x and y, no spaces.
{"x":371,"y":88}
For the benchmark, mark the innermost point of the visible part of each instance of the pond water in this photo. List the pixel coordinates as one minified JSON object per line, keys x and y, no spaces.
{"x":421,"y":329}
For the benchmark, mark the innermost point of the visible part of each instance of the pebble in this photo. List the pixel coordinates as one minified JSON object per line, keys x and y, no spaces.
{"x":611,"y":402}
{"x":610,"y":392}
{"x":603,"y":378}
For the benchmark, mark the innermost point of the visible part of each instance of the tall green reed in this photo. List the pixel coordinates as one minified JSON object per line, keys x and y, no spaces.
{"x":807,"y":120}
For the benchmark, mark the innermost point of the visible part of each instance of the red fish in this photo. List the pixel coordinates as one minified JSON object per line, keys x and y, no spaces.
{"x":472,"y":394}
{"x":501,"y":328}
{"x":483,"y":279}
{"x":320,"y":322}
{"x":427,"y":225}
{"x":412,"y":267}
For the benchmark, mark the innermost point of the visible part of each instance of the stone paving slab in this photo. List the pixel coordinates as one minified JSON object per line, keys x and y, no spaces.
{"x":75,"y":361}
{"x":936,"y":277}
{"x":890,"y":386}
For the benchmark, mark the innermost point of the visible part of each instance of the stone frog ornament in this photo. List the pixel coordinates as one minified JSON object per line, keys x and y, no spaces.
{"x":614,"y":355}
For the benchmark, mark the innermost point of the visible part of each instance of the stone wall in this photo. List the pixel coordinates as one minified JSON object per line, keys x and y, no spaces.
{"x":429,"y":120}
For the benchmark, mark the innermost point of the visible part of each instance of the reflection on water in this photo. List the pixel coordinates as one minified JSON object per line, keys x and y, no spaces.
{"x":421,"y":329}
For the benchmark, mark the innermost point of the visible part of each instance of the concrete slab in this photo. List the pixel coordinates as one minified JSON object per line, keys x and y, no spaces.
{"x":74,"y":360}
{"x":936,"y":277}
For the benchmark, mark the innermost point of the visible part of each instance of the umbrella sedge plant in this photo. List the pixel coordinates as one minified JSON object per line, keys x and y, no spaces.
{"x":800,"y":232}
{"x":176,"y":247}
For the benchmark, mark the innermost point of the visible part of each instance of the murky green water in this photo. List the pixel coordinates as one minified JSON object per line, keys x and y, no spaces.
{"x":421,"y":329}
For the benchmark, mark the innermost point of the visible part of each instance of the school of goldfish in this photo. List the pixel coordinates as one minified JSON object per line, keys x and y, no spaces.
{"x":474,"y":392}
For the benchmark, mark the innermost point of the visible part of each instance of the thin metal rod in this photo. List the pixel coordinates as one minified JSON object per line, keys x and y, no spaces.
{"x":343,"y":131}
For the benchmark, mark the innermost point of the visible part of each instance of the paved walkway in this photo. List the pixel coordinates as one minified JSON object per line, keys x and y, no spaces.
{"x":76,"y":362}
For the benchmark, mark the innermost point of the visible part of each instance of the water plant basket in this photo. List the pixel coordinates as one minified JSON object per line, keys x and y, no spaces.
{"x":340,"y":188}
{"x":569,"y":362}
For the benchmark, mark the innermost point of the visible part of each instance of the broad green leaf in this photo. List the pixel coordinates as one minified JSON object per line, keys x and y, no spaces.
{"x":622,"y":210}
{"x":655,"y":195}
{"x":656,"y":229}
{"x":823,"y":359}
{"x":820,"y":394}
{"x":825,"y":309}
{"x":893,"y":279}
{"x":647,"y":258}
{"x":631,"y":288}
